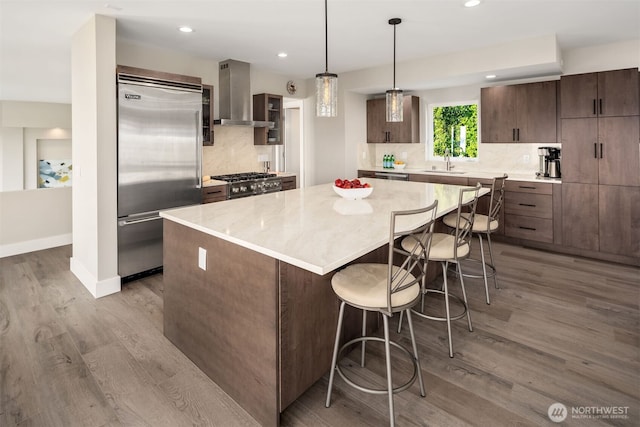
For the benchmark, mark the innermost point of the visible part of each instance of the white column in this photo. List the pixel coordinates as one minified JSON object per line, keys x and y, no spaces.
{"x":93,"y":63}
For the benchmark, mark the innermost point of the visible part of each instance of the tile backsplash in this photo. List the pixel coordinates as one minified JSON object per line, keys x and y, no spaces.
{"x":509,"y":158}
{"x":233,"y":151}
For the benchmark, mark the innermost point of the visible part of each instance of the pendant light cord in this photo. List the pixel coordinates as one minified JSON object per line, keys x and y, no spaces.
{"x":394,"y":56}
{"x":394,"y":22}
{"x":326,"y":39}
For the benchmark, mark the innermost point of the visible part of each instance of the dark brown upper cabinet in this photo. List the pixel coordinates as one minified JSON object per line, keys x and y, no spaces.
{"x":381,"y":131}
{"x":605,"y":94}
{"x":519,"y":113}
{"x":207,"y":115}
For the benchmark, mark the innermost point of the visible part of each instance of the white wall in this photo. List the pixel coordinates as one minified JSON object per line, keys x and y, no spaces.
{"x":32,"y":220}
{"x":93,"y":61}
{"x":22,"y":124}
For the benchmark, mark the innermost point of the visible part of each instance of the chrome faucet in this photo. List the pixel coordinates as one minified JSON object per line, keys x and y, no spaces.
{"x":447,"y":159}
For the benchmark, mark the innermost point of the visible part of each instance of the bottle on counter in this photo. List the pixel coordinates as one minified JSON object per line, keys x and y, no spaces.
{"x":392,"y":161}
{"x":385,"y":161}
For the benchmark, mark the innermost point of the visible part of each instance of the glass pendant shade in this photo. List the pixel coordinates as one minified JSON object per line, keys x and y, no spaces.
{"x":394,"y":105}
{"x":326,"y":95}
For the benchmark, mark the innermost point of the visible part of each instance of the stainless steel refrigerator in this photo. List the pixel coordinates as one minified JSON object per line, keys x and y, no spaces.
{"x":159,"y":163}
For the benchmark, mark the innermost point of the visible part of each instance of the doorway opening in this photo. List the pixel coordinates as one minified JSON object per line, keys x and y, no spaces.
{"x":289,"y":157}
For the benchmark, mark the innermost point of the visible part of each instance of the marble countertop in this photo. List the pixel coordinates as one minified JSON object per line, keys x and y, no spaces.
{"x":520,"y":176}
{"x":313,"y":228}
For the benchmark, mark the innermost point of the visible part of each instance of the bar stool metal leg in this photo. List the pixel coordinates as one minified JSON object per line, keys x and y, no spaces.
{"x":484,"y":268}
{"x":364,"y":333}
{"x":387,"y":352}
{"x":464,"y":297}
{"x":493,"y":266}
{"x":415,"y":352}
{"x":334,"y":359}
{"x":446,"y":306}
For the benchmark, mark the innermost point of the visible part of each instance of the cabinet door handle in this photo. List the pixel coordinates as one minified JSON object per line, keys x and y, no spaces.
{"x":594,"y":106}
{"x":595,"y":150}
{"x":518,"y":134}
{"x":513,"y":134}
{"x":600,"y":105}
{"x":526,"y":228}
{"x":601,"y":150}
{"x":527,"y":205}
{"x":528,"y":187}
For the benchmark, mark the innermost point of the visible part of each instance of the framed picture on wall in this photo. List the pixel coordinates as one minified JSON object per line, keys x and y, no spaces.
{"x":54,"y":173}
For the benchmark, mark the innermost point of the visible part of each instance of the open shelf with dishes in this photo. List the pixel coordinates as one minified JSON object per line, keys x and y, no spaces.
{"x":268,"y":107}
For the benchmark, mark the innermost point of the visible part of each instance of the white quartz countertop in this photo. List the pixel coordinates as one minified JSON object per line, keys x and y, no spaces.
{"x":313,"y":228}
{"x":519,"y":176}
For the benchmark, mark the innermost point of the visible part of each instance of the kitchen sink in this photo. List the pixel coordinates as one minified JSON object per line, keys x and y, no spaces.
{"x":441,"y":171}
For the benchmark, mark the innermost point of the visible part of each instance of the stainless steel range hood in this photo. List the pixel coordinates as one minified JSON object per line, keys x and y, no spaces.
{"x":234,"y":90}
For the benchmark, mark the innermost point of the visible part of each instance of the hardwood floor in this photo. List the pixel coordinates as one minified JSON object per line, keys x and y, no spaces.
{"x":560,"y":329}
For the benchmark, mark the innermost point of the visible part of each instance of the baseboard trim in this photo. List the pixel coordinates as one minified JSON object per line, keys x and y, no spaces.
{"x":35,"y":245}
{"x":97,"y":288}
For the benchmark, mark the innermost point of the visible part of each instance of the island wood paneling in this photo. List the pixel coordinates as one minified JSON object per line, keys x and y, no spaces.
{"x":262,"y":329}
{"x":224,"y":319}
{"x":308,"y":321}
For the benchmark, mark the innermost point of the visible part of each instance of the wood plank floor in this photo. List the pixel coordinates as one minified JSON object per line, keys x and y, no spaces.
{"x":560,"y":329}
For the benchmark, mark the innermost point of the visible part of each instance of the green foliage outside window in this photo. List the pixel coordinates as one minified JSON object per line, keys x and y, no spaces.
{"x":455,"y":127}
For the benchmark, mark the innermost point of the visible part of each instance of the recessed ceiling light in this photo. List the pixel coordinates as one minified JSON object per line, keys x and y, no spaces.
{"x":185,"y":29}
{"x":471,"y":3}
{"x":282,"y":55}
{"x":110,"y":6}
{"x":490,"y":76}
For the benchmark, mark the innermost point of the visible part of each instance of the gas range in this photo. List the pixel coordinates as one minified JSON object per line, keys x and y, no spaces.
{"x":250,"y":183}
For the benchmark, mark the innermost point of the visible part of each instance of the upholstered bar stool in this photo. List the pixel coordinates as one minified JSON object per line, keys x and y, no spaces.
{"x":484,"y":225}
{"x":386,"y":289}
{"x":450,"y":248}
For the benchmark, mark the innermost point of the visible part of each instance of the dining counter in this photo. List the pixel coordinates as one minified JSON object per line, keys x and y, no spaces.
{"x":247,"y":282}
{"x":314,"y":228}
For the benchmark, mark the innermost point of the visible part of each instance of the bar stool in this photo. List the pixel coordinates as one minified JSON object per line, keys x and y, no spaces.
{"x":450,"y":248}
{"x":485,"y":225}
{"x":387,"y":289}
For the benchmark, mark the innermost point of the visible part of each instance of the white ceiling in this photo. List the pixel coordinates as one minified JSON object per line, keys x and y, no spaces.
{"x":35,"y":36}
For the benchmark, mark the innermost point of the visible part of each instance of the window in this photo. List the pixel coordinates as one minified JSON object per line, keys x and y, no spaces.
{"x":454,"y":126}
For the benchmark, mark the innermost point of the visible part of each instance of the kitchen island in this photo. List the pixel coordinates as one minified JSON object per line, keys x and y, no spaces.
{"x":247,"y":294}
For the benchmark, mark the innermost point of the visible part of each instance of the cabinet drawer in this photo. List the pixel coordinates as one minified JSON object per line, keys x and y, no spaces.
{"x":534,"y":205}
{"x":216,"y":193}
{"x":289,"y":183}
{"x":529,"y":228}
{"x":366,"y":174}
{"x":529,"y":187}
{"x":439,"y":179}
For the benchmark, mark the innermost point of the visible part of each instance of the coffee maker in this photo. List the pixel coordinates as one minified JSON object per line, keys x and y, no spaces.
{"x":549,"y":162}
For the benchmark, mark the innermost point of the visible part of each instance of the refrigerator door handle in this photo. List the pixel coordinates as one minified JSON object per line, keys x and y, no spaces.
{"x":199,"y":149}
{"x":125,"y":222}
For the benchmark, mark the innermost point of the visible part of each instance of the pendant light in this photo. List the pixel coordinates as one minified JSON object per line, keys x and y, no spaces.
{"x":326,"y":83}
{"x":394,"y":96}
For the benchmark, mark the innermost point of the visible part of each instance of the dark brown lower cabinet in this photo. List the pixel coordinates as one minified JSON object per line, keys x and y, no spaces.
{"x":288,"y":183}
{"x":602,"y":218}
{"x":619,"y":220}
{"x":580,"y":216}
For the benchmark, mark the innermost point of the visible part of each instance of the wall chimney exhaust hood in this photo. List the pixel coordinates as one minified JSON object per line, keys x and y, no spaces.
{"x":234,"y":89}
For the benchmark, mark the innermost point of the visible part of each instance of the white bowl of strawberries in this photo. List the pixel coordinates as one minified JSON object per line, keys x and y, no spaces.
{"x":352,"y":189}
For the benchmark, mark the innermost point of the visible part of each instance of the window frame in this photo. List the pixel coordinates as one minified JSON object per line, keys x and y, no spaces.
{"x":429,"y":155}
